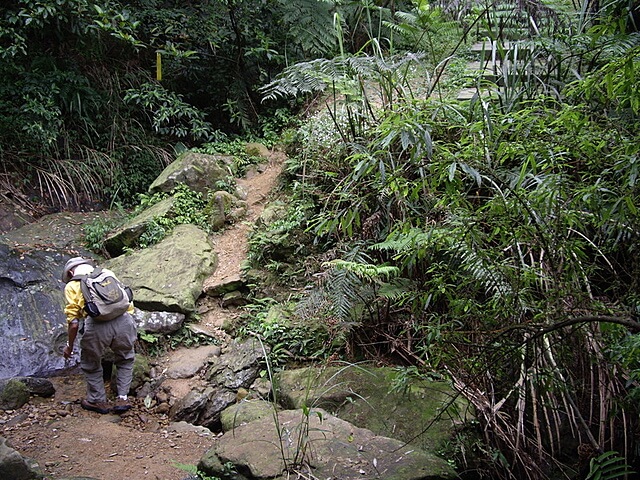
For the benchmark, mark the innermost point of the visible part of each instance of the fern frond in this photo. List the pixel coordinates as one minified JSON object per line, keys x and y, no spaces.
{"x":346,"y":288}
{"x":366,"y":271}
{"x":347,"y":294}
{"x":482,"y":270}
{"x":317,"y":75}
{"x":303,"y":78}
{"x":310,"y":22}
{"x":608,"y":466}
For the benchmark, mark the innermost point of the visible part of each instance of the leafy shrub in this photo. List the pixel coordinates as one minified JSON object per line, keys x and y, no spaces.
{"x":189,"y":206}
{"x":273,"y":124}
{"x":168,"y":113}
{"x":289,"y":336}
{"x":95,"y":232}
{"x":282,"y":239}
{"x":139,"y":167}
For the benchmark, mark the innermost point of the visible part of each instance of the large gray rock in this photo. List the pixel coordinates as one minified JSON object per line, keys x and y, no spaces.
{"x":203,"y":407}
{"x":422,"y":412}
{"x":169,"y":275}
{"x":236,"y":368}
{"x":12,"y":215}
{"x":186,"y":362}
{"x":128,"y":234}
{"x":198,"y":171}
{"x":316,"y":441}
{"x":189,"y":407}
{"x":32,"y":321}
{"x":240,"y":365}
{"x":14,"y":466}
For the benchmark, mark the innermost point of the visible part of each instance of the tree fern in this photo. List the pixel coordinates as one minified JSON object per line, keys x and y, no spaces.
{"x":343,"y":74}
{"x":310,"y":22}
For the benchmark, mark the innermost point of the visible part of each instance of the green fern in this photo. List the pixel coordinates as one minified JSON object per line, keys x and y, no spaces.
{"x":349,"y":287}
{"x":346,"y":294}
{"x":486,"y":272}
{"x":366,"y":271}
{"x":310,"y":22}
{"x":608,"y":466}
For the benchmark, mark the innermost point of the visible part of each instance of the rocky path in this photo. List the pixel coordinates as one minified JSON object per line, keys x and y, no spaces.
{"x":231,"y":245}
{"x":67,"y":441}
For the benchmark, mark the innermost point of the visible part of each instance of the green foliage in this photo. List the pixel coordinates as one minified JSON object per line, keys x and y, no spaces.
{"x":157,"y":344}
{"x":151,"y":343}
{"x":189,"y":207}
{"x":168,"y":113}
{"x":502,"y":217}
{"x":139,"y":166}
{"x":624,"y":350}
{"x":615,"y":85}
{"x":195,"y":472}
{"x":273,"y":124}
{"x":427,"y":28}
{"x":281,"y":237}
{"x":608,"y":466}
{"x":309,"y":21}
{"x":96,"y":231}
{"x":288,"y":336}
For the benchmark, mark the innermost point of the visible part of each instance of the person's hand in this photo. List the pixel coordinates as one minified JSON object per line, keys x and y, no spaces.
{"x":67,"y":351}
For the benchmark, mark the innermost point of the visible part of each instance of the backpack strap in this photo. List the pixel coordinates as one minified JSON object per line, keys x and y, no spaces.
{"x":83,"y":282}
{"x":96,"y":271}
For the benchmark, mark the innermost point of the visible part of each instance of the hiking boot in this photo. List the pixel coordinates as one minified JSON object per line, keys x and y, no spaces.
{"x":121,"y":406}
{"x":99,"y":407}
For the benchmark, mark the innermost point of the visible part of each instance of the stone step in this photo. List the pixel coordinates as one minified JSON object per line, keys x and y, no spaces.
{"x":467,"y":94}
{"x":498,"y":50}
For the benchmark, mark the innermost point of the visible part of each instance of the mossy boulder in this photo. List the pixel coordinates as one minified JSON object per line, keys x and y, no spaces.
{"x":14,"y":395}
{"x":198,"y":171}
{"x":141,"y":369}
{"x":257,"y":150}
{"x":128,"y":234}
{"x":332,"y":447}
{"x":41,"y":387}
{"x":245,"y":412}
{"x":223,"y":208}
{"x":422,"y":412}
{"x":168,"y":276}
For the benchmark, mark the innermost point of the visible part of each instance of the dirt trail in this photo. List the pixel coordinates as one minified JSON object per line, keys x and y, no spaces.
{"x":67,"y":441}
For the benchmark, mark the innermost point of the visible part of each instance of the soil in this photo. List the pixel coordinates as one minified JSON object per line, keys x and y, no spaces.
{"x":67,"y":441}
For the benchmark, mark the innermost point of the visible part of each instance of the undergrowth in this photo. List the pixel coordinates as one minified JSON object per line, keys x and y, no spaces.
{"x":158,"y":344}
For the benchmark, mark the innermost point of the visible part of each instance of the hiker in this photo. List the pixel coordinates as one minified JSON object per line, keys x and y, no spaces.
{"x":118,"y":333}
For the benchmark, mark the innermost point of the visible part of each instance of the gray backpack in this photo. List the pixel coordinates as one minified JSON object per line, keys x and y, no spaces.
{"x":105,"y":297}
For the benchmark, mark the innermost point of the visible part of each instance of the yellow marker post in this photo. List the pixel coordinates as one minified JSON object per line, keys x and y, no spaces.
{"x":158,"y":66}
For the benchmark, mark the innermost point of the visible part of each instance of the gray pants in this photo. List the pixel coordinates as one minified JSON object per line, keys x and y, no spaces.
{"x":118,"y":334}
